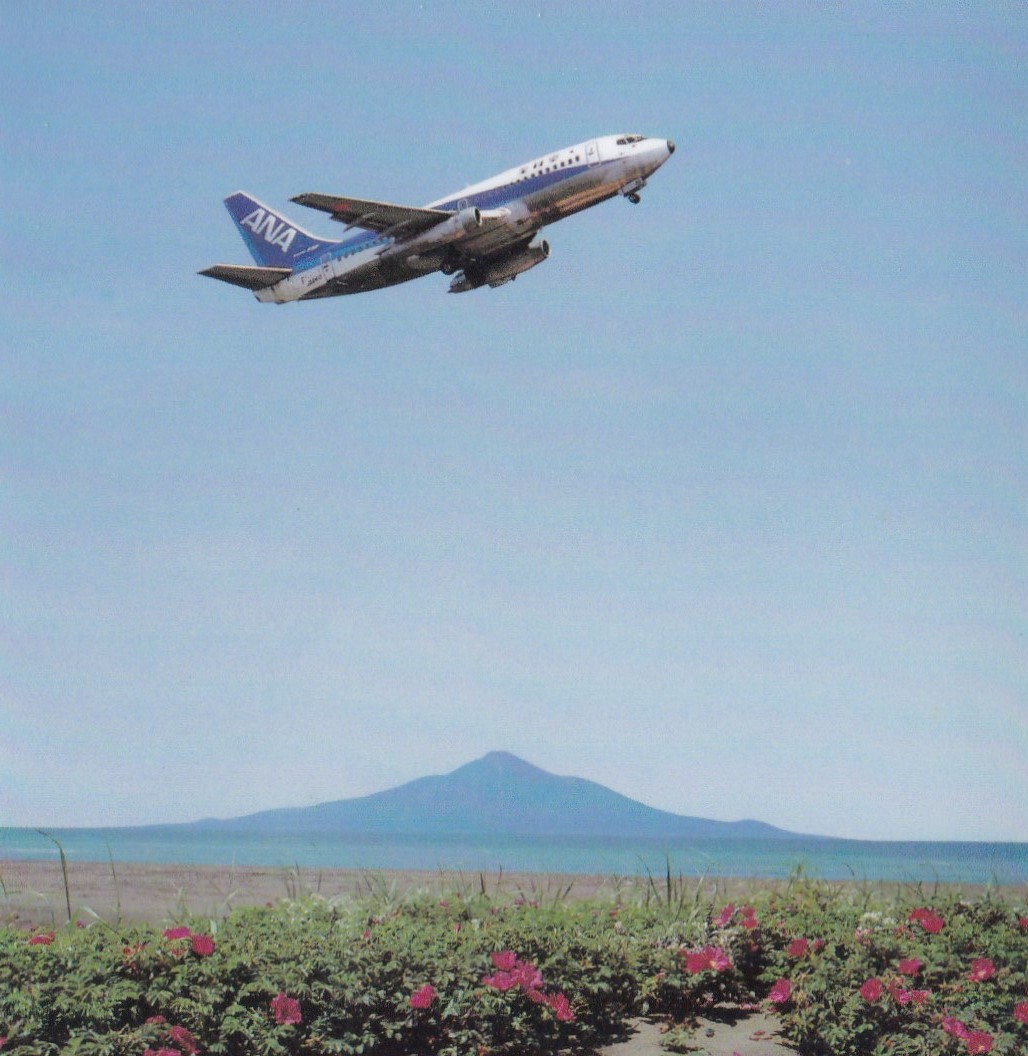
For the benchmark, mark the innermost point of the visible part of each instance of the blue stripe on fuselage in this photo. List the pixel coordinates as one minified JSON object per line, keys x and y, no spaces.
{"x":493,"y":198}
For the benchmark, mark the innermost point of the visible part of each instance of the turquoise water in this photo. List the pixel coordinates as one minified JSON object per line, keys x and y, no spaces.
{"x":828,"y":859}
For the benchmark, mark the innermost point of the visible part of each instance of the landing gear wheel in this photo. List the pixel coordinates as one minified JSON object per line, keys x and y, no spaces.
{"x":634,"y":199}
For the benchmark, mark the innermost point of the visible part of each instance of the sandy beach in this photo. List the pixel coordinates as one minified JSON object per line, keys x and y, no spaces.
{"x":32,"y":892}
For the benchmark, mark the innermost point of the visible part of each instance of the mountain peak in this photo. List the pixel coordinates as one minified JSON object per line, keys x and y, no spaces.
{"x":500,"y":793}
{"x":497,"y":765}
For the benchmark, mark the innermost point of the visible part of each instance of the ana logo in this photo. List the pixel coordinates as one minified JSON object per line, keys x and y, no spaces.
{"x":275,"y":231}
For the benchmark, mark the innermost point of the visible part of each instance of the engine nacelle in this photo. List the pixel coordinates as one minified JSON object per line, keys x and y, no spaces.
{"x":500,"y":271}
{"x":451,"y":231}
{"x":468,"y":219}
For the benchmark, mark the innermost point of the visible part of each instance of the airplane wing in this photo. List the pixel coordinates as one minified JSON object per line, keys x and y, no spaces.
{"x":246,"y":275}
{"x":375,"y":216}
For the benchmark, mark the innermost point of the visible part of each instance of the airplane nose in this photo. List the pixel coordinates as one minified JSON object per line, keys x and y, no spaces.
{"x":671,"y":146}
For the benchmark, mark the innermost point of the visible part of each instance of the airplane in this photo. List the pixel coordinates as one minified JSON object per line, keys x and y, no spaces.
{"x":484,"y":235}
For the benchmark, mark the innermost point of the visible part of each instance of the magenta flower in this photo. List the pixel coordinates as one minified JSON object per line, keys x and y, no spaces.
{"x":780,"y":992}
{"x":1022,"y":923}
{"x":929,"y":920}
{"x":954,"y":1027}
{"x":1021,"y":1012}
{"x":422,"y":998}
{"x":513,"y":972}
{"x":561,"y":1008}
{"x":3,"y":1042}
{"x":286,"y":1010}
{"x":977,"y":1042}
{"x":527,"y":976}
{"x":203,"y":945}
{"x":725,"y":917}
{"x":798,"y":947}
{"x":981,"y":969}
{"x":184,"y":1040}
{"x":872,"y":989}
{"x":42,"y":940}
{"x":177,"y":933}
{"x":748,"y":918}
{"x":710,"y":958}
{"x":499,"y":980}
{"x":909,"y":966}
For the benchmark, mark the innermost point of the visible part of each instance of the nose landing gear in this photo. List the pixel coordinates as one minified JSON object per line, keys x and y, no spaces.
{"x":631,"y":190}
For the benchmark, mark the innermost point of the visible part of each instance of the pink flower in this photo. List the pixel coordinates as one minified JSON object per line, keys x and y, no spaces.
{"x":798,"y":948}
{"x":42,"y":940}
{"x":527,"y":976}
{"x":177,"y":933}
{"x":3,"y":1042}
{"x":977,"y":1041}
{"x":422,"y":998}
{"x":286,"y":1010}
{"x":929,"y":920}
{"x":748,"y":918}
{"x":981,"y":969}
{"x":909,"y":966}
{"x":725,"y":917}
{"x":1022,"y":923}
{"x":499,"y":980}
{"x":872,"y":989}
{"x":156,"y":1019}
{"x":203,"y":945}
{"x":1021,"y":1012}
{"x":710,"y":958}
{"x":954,"y":1027}
{"x":561,"y":1008}
{"x":504,"y":960}
{"x":898,"y":994}
{"x":780,"y":992}
{"x":184,"y":1040}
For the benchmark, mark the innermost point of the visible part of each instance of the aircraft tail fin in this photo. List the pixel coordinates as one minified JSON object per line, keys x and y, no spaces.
{"x":273,"y":241}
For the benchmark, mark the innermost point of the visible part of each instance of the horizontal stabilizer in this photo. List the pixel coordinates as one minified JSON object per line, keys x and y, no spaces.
{"x":246,"y":275}
{"x":374,"y":216}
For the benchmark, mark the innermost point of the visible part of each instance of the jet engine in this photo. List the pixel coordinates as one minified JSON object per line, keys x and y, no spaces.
{"x":506,"y":269}
{"x":426,"y":247}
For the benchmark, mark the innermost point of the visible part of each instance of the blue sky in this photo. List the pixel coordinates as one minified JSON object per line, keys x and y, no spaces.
{"x":723,"y":506}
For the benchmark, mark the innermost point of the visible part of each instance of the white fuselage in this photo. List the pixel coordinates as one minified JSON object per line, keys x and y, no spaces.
{"x":500,"y":217}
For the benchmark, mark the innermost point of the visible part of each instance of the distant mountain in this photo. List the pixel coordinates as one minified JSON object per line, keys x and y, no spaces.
{"x":497,"y":794}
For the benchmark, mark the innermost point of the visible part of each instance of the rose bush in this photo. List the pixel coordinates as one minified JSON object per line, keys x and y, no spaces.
{"x":849,"y":973}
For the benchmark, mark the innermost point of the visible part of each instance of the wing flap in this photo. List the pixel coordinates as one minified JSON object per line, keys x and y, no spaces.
{"x":249,"y":276}
{"x":373,"y":216}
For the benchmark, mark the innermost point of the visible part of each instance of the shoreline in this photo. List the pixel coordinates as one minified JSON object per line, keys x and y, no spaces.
{"x":32,"y":891}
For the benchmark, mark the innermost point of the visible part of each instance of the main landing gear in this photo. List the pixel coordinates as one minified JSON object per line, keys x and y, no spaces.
{"x":633,"y":198}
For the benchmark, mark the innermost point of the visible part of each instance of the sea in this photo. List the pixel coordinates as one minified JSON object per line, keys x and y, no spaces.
{"x":817,"y":857}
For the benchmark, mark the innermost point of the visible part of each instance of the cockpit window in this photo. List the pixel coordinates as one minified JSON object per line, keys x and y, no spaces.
{"x":625,"y":140}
